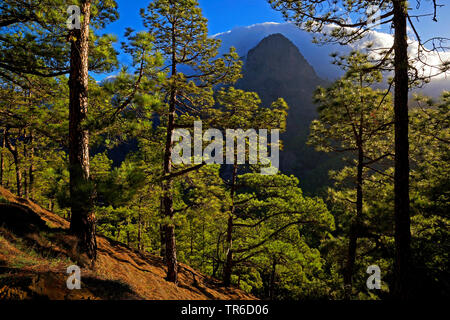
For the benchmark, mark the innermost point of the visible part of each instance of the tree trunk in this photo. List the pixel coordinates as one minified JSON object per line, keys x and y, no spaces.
{"x":354,"y":228}
{"x":228,"y":269}
{"x":139,"y":231}
{"x":402,"y":265}
{"x":356,"y":223}
{"x":83,"y":218}
{"x":169,"y":228}
{"x":216,"y":260}
{"x":167,"y":202}
{"x":31,"y":166}
{"x":15,"y":153}
{"x":18,"y":174}
{"x":2,"y":160}
{"x":203,"y":245}
{"x":25,"y":171}
{"x":171,"y":254}
{"x":272,"y":279}
{"x":191,"y":243}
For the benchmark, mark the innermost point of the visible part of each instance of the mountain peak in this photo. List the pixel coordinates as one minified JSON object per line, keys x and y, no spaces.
{"x":277,"y":60}
{"x":275,"y":37}
{"x":275,"y":68}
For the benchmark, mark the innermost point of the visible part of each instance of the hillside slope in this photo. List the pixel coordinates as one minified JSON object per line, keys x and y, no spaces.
{"x":36,"y":249}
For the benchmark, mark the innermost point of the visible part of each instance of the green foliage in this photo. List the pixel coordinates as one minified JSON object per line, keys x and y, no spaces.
{"x":277,"y":234}
{"x":34,"y":37}
{"x":284,"y":244}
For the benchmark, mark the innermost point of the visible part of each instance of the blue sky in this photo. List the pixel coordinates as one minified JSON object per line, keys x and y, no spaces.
{"x":224,"y":15}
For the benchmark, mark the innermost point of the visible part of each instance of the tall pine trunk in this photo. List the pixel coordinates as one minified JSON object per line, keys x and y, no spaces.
{"x":25,"y":171}
{"x":29,"y":172}
{"x":402,"y":265}
{"x":2,"y":159}
{"x":31,"y":166}
{"x":272,"y":279}
{"x":228,"y":269}
{"x":83,"y":218}
{"x":167,"y":201}
{"x":18,"y":173}
{"x":216,"y":259}
{"x":356,"y":223}
{"x":139,"y":231}
{"x":15,"y":153}
{"x":354,"y":228}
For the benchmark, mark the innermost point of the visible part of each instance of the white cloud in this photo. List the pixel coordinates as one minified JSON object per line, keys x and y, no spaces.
{"x":245,"y":38}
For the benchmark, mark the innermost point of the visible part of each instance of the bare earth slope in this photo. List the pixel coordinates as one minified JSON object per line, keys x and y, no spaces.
{"x":36,"y":249}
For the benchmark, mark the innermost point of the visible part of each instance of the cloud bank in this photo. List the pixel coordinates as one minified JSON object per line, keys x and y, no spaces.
{"x":246,"y":38}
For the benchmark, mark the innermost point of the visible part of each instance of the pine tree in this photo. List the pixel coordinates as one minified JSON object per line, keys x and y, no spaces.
{"x":181,"y":36}
{"x":265,"y":208}
{"x":41,"y":50}
{"x":237,"y":109}
{"x":83,"y":218}
{"x":354,"y":120}
{"x":348,"y":22}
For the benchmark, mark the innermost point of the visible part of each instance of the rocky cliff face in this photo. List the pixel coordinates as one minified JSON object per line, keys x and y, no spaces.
{"x":276,"y":68}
